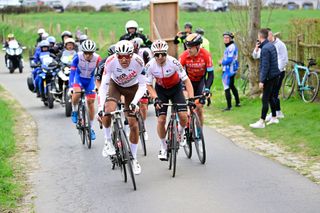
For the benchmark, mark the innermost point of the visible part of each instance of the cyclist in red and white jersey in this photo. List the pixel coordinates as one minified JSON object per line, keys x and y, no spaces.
{"x":124,"y":75}
{"x":198,"y":64}
{"x":169,"y":75}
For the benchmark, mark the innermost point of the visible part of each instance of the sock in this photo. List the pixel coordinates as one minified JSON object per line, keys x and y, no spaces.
{"x":75,"y":107}
{"x":91,"y":124}
{"x":134,"y":148}
{"x":181,"y":130}
{"x":107,"y":133}
{"x":163,"y":144}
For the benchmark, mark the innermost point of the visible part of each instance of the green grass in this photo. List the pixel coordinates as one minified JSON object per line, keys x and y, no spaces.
{"x":9,"y":188}
{"x":298,"y":131}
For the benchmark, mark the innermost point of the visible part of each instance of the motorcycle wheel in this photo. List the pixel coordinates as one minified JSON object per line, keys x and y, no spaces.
{"x":68,"y":105}
{"x":50,"y":97}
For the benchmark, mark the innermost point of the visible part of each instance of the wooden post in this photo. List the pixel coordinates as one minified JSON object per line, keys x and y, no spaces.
{"x":163,"y":22}
{"x":299,"y":48}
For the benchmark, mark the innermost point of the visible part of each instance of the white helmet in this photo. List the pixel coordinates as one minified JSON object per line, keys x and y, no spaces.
{"x":131,"y":24}
{"x":83,"y":37}
{"x":44,"y":43}
{"x":88,"y":46}
{"x":41,"y":31}
{"x":159,"y":46}
{"x":44,"y":36}
{"x":124,"y":47}
{"x":69,"y":40}
{"x":137,"y":42}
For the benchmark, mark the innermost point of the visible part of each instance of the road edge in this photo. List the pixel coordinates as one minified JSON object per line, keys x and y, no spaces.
{"x":25,"y":160}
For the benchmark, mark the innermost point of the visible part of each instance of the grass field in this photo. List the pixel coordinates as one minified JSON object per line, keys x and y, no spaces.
{"x":9,"y":188}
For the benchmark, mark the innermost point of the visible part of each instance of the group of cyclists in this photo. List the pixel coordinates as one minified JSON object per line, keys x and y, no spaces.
{"x":135,"y":70}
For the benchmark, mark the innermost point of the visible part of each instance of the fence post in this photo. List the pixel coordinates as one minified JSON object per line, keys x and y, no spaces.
{"x":299,"y":48}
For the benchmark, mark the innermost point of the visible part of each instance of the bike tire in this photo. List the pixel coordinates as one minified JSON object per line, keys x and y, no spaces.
{"x":67,"y":103}
{"x":174,"y":149}
{"x":188,"y":147}
{"x":50,"y":97}
{"x":87,"y":126}
{"x":121,"y":157}
{"x":198,"y":138}
{"x":169,"y":144}
{"x":312,"y":84}
{"x":141,"y":135}
{"x":288,"y":85}
{"x":128,"y":157}
{"x":81,"y":125}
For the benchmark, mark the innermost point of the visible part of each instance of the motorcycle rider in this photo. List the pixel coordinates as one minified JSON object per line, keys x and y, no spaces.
{"x":10,"y":38}
{"x":39,"y":39}
{"x":132,"y":32}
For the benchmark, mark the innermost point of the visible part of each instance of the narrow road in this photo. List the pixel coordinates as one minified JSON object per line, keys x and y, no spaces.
{"x":72,"y":178}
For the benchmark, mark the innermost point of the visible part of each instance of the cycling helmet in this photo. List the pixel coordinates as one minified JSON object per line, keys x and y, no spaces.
{"x":188,"y":24}
{"x":124,"y":47}
{"x":88,"y":46}
{"x":51,"y":39}
{"x":159,"y":46}
{"x":112,"y":50}
{"x":69,"y":40}
{"x":44,"y":43}
{"x":200,"y":31}
{"x":10,"y":35}
{"x":193,"y":39}
{"x":41,"y":31}
{"x":66,"y":33}
{"x":83,"y":38}
{"x":131,"y":24}
{"x":230,"y":34}
{"x":137,"y":42}
{"x":44,"y":36}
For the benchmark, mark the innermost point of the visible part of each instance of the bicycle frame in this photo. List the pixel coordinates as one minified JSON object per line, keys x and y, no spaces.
{"x":300,"y":83}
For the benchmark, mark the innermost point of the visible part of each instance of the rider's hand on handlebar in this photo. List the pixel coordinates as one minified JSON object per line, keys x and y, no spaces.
{"x":134,"y":107}
{"x":206,"y":93}
{"x":191,"y":103}
{"x":157,"y":103}
{"x":70,"y":91}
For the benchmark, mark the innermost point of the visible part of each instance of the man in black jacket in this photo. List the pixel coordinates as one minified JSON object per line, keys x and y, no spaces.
{"x":132,"y":32}
{"x":269,"y":73}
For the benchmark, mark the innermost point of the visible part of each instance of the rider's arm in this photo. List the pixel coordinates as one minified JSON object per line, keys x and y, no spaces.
{"x":142,"y":88}
{"x":104,"y":86}
{"x":210,"y":72}
{"x":189,"y":87}
{"x":73,"y":69}
{"x":152,"y":91}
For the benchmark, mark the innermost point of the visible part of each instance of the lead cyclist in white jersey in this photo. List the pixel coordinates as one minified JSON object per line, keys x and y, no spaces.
{"x":123,"y":75}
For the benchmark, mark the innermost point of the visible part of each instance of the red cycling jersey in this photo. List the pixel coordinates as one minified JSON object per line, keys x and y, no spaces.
{"x":196,"y":66}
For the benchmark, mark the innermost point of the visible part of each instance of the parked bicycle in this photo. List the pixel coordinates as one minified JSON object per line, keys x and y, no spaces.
{"x":307,"y":87}
{"x":194,"y":134}
{"x":123,"y":157}
{"x":83,"y":125}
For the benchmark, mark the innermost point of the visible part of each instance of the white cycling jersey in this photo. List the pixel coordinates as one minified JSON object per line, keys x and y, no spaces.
{"x":124,"y":77}
{"x":167,"y":75}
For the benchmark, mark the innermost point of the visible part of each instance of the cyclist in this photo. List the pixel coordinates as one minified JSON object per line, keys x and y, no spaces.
{"x":230,"y":67}
{"x":132,"y":32}
{"x":198,"y":64}
{"x":123,"y":75}
{"x":181,"y":36}
{"x":169,"y":75}
{"x":82,"y":76}
{"x":205,"y":42}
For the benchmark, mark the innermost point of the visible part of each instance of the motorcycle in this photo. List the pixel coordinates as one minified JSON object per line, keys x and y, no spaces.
{"x":14,"y":58}
{"x":47,"y":78}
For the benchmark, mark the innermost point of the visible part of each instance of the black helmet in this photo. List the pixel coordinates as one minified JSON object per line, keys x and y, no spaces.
{"x":66,"y":33}
{"x":200,"y":31}
{"x":230,"y":34}
{"x":112,"y":50}
{"x":188,"y":24}
{"x":193,"y":39}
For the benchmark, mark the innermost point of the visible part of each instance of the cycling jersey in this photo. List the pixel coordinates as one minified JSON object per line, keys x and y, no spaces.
{"x":197,"y":66}
{"x":134,"y":74}
{"x":168,"y":75}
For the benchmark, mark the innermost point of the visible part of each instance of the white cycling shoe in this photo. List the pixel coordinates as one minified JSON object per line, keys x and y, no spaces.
{"x":162,"y":154}
{"x":136,"y":167}
{"x":108,"y":149}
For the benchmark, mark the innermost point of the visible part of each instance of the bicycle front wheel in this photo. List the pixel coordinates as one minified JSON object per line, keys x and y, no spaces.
{"x":198,"y":138}
{"x":81,"y":124}
{"x":87,"y":126}
{"x":188,"y":147}
{"x":311,"y":87}
{"x":174,"y":148}
{"x":288,"y":85}
{"x":128,"y":157}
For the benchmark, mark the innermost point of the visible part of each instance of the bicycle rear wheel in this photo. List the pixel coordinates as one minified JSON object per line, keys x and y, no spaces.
{"x":311,"y":87}
{"x":198,"y":138}
{"x":288,"y":85}
{"x":141,"y":134}
{"x":87,"y":126}
{"x":127,"y":156}
{"x":81,"y":125}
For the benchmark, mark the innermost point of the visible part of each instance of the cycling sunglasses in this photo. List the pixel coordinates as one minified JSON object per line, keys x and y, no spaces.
{"x":88,"y":53}
{"x":157,"y":55}
{"x":124,"y":56}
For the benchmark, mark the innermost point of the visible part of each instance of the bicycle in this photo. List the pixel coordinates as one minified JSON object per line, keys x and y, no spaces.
{"x":83,"y":125}
{"x":194,"y":133}
{"x":123,"y":157}
{"x":142,"y":131}
{"x":172,"y":136}
{"x":308,"y":87}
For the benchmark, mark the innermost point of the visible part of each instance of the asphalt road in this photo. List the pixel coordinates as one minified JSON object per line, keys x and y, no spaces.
{"x":72,"y":178}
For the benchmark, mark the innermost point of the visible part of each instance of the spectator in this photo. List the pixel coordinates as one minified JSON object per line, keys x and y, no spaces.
{"x":181,"y":36}
{"x":230,"y":67}
{"x":269,"y":76}
{"x":282,"y":62}
{"x":205,"y":42}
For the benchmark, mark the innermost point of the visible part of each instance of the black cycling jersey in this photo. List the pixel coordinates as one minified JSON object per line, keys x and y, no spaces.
{"x":129,"y":37}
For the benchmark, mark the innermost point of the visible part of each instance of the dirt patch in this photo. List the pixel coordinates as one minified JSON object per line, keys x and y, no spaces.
{"x":26,"y":158}
{"x":306,"y":166}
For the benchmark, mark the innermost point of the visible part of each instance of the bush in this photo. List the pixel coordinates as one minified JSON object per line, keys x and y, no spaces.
{"x":107,"y":8}
{"x":80,"y":9}
{"x":24,"y":9}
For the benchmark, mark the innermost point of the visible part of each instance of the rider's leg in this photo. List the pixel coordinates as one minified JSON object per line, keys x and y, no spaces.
{"x":162,"y":131}
{"x":199,"y":111}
